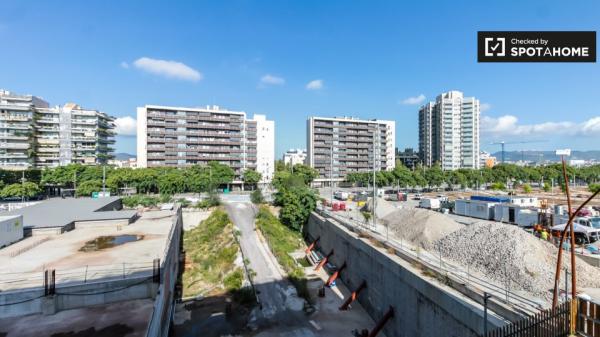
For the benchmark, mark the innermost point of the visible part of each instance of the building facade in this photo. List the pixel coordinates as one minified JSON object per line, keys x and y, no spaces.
{"x":409,"y":157}
{"x":338,"y":146}
{"x":32,"y":134}
{"x":486,"y":160}
{"x":182,"y":137}
{"x":294,"y":157}
{"x":449,"y":131}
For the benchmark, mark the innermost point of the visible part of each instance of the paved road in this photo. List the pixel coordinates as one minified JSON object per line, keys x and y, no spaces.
{"x":270,"y":284}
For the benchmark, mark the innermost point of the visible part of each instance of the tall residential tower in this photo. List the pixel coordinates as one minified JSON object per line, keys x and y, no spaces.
{"x":449,"y":131}
{"x":181,"y":137}
{"x":356,"y":146}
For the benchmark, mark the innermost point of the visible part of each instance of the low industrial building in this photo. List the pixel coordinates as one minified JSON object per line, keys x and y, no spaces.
{"x":58,"y":215}
{"x":11,"y":229}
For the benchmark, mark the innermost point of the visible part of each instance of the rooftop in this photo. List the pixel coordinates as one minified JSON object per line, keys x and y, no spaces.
{"x":58,"y":212}
{"x":99,"y":251}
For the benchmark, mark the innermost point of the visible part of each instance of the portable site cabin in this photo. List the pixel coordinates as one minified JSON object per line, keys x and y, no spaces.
{"x":524,"y":216}
{"x":475,"y":208}
{"x":11,"y":229}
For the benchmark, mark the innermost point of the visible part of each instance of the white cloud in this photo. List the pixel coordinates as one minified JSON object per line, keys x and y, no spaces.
{"x":314,"y":85}
{"x":169,"y":69}
{"x":269,"y":79}
{"x":483,"y":107}
{"x":508,"y":125}
{"x":414,"y":100}
{"x":126,"y":126}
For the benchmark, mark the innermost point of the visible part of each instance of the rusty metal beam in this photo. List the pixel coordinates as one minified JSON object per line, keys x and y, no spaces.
{"x":335,"y":274}
{"x":562,"y":238}
{"x":389,"y":314}
{"x":324,"y":260}
{"x":312,"y":245}
{"x":353,"y":296}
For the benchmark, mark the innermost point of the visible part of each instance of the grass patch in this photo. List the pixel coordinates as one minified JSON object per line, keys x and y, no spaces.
{"x":210,"y":254}
{"x":283,"y":241}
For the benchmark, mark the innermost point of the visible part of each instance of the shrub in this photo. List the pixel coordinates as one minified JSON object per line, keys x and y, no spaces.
{"x":140,"y":200}
{"x":212,"y":200}
{"x":498,"y":186}
{"x":257,"y":197}
{"x":594,"y":187}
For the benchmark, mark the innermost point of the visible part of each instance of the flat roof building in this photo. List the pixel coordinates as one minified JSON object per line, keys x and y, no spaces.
{"x":294,"y":157}
{"x":182,"y":137}
{"x":341,"y":145}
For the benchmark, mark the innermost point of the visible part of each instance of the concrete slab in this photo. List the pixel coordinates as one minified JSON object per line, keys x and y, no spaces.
{"x":72,"y":265}
{"x":99,"y":321}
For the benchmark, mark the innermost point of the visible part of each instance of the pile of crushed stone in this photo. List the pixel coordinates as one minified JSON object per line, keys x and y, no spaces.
{"x":510,"y":256}
{"x":420,"y":227}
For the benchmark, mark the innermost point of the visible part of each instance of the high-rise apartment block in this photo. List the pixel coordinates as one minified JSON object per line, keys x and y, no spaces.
{"x":33,"y":134}
{"x":182,"y":137}
{"x":294,"y":157}
{"x":338,"y":146}
{"x":449,"y":131}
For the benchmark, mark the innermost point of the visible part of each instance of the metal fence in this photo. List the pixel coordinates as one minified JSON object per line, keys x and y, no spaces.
{"x":78,"y":275}
{"x":588,"y":319}
{"x":546,"y":323}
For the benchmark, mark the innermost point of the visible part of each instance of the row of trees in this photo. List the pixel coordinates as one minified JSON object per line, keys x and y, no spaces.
{"x":88,"y":179}
{"x":499,"y":174}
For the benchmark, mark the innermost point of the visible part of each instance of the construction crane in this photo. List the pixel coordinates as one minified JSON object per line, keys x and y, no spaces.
{"x":503,"y":143}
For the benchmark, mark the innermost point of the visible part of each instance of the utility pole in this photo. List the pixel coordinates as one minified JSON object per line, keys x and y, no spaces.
{"x":374,"y":183}
{"x":23,"y":187}
{"x":331,"y":174}
{"x":103,"y":180}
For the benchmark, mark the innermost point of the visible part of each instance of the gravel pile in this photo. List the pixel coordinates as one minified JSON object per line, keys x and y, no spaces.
{"x":420,"y":227}
{"x":506,"y":252}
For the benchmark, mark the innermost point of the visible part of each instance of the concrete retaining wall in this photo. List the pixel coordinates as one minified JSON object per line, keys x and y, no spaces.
{"x":75,"y":296}
{"x":421,"y":307}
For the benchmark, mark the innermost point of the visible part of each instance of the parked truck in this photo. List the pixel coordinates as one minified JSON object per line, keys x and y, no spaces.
{"x":430,"y":203}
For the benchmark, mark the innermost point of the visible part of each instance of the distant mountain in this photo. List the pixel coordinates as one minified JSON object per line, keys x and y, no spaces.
{"x":123,"y":156}
{"x":545,"y":155}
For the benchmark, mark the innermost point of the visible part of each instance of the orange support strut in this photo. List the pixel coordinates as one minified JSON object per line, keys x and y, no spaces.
{"x":353,"y":296}
{"x":389,"y":314}
{"x":324,"y":260}
{"x":335,"y":275}
{"x":312,"y":245}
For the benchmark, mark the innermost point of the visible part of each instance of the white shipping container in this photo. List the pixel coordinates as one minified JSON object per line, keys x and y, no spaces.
{"x":429,"y":203}
{"x":11,"y":229}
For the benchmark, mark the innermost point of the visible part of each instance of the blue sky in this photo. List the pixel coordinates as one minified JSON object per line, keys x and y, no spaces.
{"x":370,"y":57}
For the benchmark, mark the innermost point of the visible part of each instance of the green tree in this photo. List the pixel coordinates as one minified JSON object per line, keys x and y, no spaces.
{"x":307,"y":173}
{"x":527,"y":188}
{"x":27,"y":190}
{"x":220,"y":174}
{"x":251,"y":177}
{"x":547,"y":187}
{"x":594,"y":187}
{"x":434,"y":176}
{"x":86,"y":188}
{"x":171,"y":183}
{"x":296,"y":205}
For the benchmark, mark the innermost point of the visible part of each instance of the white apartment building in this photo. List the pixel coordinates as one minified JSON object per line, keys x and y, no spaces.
{"x":181,"y":137}
{"x":341,"y":145}
{"x":32,"y":134}
{"x":449,"y":131}
{"x":294,"y":157}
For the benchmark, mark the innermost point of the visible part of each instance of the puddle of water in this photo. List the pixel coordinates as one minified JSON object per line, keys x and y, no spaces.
{"x":105,"y":242}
